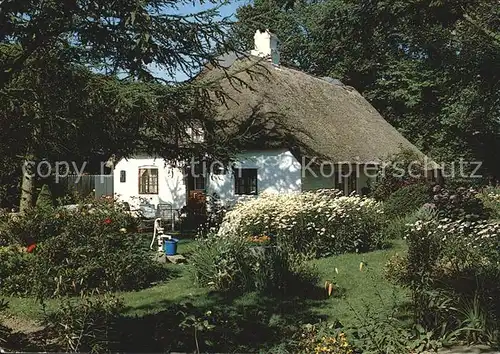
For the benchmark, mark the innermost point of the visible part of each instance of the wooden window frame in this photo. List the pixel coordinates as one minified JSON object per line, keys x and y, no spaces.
{"x":151,"y":187}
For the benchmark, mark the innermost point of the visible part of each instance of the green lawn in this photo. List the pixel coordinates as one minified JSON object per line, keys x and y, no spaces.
{"x":355,"y":290}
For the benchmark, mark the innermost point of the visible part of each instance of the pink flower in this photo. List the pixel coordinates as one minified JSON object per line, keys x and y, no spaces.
{"x":108,"y":221}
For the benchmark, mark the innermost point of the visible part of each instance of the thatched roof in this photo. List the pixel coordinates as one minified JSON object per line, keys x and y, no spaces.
{"x":329,"y":119}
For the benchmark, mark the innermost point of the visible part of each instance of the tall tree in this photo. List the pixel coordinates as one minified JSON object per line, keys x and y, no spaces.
{"x":432,"y":68}
{"x":77,"y":78}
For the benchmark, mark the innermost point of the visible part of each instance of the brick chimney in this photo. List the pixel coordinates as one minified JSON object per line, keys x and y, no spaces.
{"x":266,"y":46}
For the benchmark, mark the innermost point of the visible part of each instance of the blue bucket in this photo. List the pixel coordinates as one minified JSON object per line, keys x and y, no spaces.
{"x":170,"y":246}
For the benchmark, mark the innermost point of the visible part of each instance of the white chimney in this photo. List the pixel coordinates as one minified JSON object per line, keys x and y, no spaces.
{"x":266,"y":46}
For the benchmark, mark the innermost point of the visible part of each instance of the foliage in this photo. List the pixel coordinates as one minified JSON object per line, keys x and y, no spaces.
{"x":407,"y":200}
{"x":491,"y":199}
{"x":40,"y":224}
{"x":375,"y":334}
{"x":220,"y":262}
{"x":93,"y":247}
{"x":322,"y":222}
{"x":133,"y":37}
{"x":45,"y":199}
{"x":215,"y":212}
{"x":196,"y":323}
{"x":398,"y":227}
{"x":450,"y":264}
{"x":400,"y":170}
{"x":4,"y":331}
{"x":322,"y":339}
{"x":232,"y":263}
{"x":14,"y":270}
{"x":425,"y":65}
{"x":76,"y":81}
{"x":86,"y":326}
{"x":459,"y":203}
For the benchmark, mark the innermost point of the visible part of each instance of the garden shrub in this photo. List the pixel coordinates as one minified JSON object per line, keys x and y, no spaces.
{"x":77,"y":251}
{"x":400,"y":170}
{"x":450,"y":263}
{"x":490,"y":197}
{"x":85,"y":325}
{"x":74,"y":261}
{"x":374,"y":333}
{"x":14,"y":270}
{"x":321,"y":338}
{"x":4,"y":331}
{"x":39,"y":224}
{"x":229,"y":263}
{"x":322,"y":222}
{"x":397,"y":227}
{"x":407,"y":199}
{"x":459,"y":203}
{"x":45,"y":199}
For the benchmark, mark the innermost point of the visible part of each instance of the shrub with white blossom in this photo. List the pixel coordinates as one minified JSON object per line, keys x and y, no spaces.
{"x":322,"y":222}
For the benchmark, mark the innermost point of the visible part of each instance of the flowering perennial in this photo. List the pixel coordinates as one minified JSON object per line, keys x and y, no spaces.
{"x":325,"y":220}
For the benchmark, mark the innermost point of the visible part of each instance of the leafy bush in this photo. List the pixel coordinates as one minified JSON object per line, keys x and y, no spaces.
{"x":400,"y":170}
{"x":491,"y":200}
{"x":407,"y":199}
{"x":380,"y":334}
{"x":39,"y":224}
{"x":219,"y":262}
{"x":322,"y":222}
{"x":322,"y":338}
{"x":90,"y":248}
{"x":74,"y":262}
{"x":86,"y":325}
{"x":231,"y":263}
{"x":4,"y":331}
{"x":459,"y":203}
{"x":450,"y":263}
{"x":45,"y":199}
{"x":14,"y":270}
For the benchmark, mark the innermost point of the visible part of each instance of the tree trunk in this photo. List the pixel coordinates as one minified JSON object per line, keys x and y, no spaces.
{"x":27,"y":185}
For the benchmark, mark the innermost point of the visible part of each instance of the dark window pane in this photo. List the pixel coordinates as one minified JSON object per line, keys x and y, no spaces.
{"x":245,"y":181}
{"x":123,"y":176}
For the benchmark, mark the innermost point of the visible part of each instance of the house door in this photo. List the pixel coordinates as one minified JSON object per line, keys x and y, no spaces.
{"x":196,"y":196}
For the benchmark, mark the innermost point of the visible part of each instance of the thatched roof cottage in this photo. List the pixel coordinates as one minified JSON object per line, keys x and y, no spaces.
{"x":316,"y":133}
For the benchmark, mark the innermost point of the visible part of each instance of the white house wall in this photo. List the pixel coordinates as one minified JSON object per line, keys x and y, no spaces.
{"x":278,"y":171}
{"x":171,"y":187}
{"x":313,"y":179}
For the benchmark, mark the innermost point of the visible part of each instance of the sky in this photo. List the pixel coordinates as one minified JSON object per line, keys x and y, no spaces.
{"x":228,"y":10}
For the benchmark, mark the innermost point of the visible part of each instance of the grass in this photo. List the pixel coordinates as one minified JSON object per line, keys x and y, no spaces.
{"x":355,"y":290}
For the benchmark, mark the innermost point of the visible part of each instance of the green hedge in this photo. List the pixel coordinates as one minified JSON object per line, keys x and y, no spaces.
{"x":407,"y":200}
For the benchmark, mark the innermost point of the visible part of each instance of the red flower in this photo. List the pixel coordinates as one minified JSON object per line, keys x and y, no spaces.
{"x":31,"y":248}
{"x":107,"y":221}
